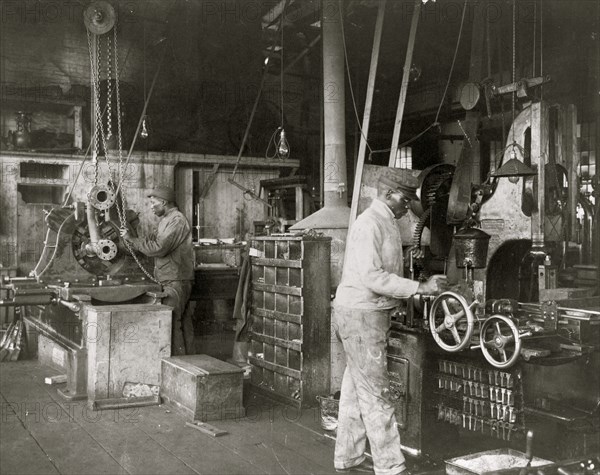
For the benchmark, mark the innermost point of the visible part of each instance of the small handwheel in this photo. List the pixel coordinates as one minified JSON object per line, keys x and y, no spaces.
{"x":451,"y":321}
{"x":500,"y":341}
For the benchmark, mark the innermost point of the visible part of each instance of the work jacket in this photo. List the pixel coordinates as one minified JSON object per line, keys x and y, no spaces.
{"x":171,"y":247}
{"x":373,"y":266}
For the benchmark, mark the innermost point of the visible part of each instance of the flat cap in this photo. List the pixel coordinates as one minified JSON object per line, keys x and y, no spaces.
{"x":163,"y":192}
{"x":402,"y":181}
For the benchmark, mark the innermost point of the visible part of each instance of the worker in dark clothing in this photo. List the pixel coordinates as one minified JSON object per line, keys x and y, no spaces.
{"x":171,"y":247}
{"x":371,"y":287}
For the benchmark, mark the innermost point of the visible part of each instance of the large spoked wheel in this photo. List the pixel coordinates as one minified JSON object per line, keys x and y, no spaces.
{"x":500,"y":341}
{"x":451,"y":321}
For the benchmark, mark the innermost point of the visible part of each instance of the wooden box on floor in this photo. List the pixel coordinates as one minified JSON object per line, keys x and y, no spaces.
{"x":204,"y":387}
{"x":125,"y":344}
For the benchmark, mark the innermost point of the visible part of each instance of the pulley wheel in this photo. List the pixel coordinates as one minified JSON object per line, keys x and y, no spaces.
{"x":99,"y":17}
{"x":101,"y":197}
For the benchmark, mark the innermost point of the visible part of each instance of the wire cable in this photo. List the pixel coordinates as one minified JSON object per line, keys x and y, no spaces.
{"x":541,"y":49}
{"x":350,"y":79}
{"x":281,"y":63}
{"x":437,"y":115}
{"x":462,"y":22}
{"x":254,"y":107}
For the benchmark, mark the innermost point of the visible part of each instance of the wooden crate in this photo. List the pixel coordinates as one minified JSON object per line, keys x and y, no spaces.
{"x":204,"y":387}
{"x":126,"y":344}
{"x":291,"y":317}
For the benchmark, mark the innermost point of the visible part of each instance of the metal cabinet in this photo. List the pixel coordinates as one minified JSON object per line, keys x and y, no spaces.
{"x":291,"y":314}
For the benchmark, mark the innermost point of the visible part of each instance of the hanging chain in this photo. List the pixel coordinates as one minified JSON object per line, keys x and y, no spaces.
{"x":122,"y":202}
{"x":108,"y":87}
{"x":465,"y":133}
{"x":100,"y":132}
{"x":92,"y":41}
{"x":120,"y":136}
{"x":95,"y":55}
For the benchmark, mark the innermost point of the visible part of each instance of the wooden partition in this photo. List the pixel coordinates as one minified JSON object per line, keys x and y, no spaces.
{"x":31,"y":183}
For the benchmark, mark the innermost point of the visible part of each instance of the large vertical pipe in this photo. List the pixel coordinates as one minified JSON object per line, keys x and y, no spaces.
{"x":333,"y":107}
{"x":332,"y":219}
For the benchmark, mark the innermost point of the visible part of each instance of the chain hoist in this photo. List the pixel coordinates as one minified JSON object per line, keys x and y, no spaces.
{"x":100,"y":18}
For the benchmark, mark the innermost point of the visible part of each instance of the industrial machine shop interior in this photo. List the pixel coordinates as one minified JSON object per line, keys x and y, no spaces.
{"x":274,"y":122}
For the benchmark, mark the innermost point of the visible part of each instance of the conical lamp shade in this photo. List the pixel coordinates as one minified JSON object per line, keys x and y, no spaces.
{"x":514,"y":167}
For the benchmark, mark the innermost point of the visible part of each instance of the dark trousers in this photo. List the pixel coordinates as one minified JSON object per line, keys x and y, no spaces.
{"x":182,"y":333}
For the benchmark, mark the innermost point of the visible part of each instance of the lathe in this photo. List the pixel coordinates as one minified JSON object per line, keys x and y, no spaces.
{"x":514,"y":345}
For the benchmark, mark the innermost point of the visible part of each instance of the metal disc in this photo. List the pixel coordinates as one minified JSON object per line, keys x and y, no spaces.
{"x":99,"y":17}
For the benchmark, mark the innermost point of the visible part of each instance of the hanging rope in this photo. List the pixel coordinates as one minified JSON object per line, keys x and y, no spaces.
{"x":514,"y":69}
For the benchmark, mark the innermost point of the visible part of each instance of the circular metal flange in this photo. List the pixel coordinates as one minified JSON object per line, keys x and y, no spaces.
{"x":99,"y":17}
{"x":500,"y":341}
{"x":447,"y":310}
{"x":106,"y":249}
{"x":101,"y":197}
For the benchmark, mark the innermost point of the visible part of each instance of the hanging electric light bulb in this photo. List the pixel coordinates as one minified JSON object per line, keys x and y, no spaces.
{"x":513,"y":156}
{"x":144,"y":132}
{"x":283,"y":147}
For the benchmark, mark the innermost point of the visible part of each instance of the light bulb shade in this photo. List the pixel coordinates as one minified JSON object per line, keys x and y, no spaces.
{"x":514,"y":168}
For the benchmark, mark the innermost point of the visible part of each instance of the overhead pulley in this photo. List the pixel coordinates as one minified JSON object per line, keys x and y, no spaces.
{"x":99,"y":17}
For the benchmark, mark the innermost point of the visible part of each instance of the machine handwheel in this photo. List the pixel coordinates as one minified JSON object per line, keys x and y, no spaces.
{"x":451,"y":321}
{"x":500,"y":341}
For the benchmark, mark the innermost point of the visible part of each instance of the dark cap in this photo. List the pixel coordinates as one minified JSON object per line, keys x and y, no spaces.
{"x":402,"y":181}
{"x":162,"y":192}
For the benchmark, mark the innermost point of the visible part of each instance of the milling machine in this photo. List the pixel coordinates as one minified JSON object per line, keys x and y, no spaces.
{"x":514,"y":345}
